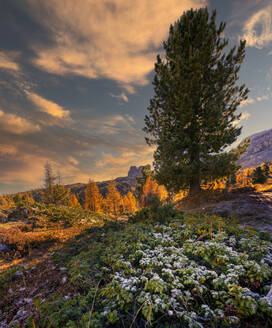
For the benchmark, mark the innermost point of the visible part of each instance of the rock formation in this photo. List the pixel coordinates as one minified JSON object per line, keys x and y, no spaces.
{"x":259,"y":150}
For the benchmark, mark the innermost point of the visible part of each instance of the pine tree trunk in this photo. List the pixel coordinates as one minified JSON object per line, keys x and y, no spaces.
{"x":194,"y":186}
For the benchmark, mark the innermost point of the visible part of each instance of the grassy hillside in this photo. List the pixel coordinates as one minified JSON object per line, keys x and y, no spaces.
{"x":160,"y":268}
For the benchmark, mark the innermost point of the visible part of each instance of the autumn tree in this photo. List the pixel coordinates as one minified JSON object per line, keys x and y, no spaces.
{"x":152,"y":190}
{"x":93,"y":198}
{"x":141,"y":180}
{"x":192,"y":114}
{"x":113,"y":198}
{"x":129,"y":202}
{"x":73,"y":202}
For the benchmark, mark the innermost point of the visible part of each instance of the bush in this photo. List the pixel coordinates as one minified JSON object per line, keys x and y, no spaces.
{"x":68,"y":215}
{"x":194,"y":271}
{"x":157,"y":212}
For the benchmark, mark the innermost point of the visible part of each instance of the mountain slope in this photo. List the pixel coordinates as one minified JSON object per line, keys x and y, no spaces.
{"x":259,"y":150}
{"x":123,"y":184}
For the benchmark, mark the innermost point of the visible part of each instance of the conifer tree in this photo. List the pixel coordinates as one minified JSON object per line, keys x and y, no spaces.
{"x":73,"y":202}
{"x":266,"y":169}
{"x":162,"y":192}
{"x":140,"y":181}
{"x":113,"y":198}
{"x":260,"y":175}
{"x":129,"y":202}
{"x":192,"y":114}
{"x":149,"y":191}
{"x":93,"y":198}
{"x":54,"y":193}
{"x":49,"y":177}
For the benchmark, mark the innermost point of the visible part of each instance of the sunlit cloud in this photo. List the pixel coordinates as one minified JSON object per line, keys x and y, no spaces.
{"x":118,"y":165}
{"x":117,"y":40}
{"x":112,"y":124}
{"x":248,"y":101}
{"x":258,"y":28}
{"x":73,"y":160}
{"x":7,"y":60}
{"x":16,"y":125}
{"x":47,"y":106}
{"x":121,"y":96}
{"x":264,"y":97}
{"x":8,"y":150}
{"x":245,"y":116}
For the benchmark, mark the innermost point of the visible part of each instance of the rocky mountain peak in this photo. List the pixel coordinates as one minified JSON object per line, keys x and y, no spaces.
{"x":259,"y":150}
{"x":134,"y":171}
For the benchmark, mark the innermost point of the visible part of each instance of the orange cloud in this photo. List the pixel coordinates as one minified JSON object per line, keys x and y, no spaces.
{"x":244,"y":117}
{"x":7,"y":61}
{"x":115,"y":39}
{"x":16,"y":125}
{"x":118,"y":165}
{"x":47,"y":106}
{"x":248,"y":101}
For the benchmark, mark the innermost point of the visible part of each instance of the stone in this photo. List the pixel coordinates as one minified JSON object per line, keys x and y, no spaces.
{"x":134,"y":171}
{"x":4,"y":248}
{"x":259,"y":150}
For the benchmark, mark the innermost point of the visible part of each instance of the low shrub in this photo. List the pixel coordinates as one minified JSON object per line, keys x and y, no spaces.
{"x":194,"y":271}
{"x":68,"y":215}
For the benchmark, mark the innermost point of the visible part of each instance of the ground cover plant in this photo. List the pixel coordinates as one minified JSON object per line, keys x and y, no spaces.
{"x":35,"y":225}
{"x":184,"y":271}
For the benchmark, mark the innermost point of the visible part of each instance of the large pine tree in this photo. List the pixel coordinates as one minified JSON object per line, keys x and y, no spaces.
{"x":192,"y":114}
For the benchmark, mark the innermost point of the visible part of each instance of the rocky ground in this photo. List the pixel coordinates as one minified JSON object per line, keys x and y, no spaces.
{"x":248,"y":206}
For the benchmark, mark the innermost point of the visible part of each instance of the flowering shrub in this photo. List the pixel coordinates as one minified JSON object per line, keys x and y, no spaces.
{"x":195,"y":271}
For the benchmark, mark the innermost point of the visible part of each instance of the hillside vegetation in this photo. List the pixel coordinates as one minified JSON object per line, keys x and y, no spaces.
{"x":132,"y":257}
{"x":161,"y":269}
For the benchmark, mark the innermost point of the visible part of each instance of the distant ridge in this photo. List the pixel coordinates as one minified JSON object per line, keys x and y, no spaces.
{"x":123,"y":184}
{"x":259,"y":150}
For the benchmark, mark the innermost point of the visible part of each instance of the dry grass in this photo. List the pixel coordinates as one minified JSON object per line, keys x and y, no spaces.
{"x":22,"y":242}
{"x":204,"y":197}
{"x":264,"y":187}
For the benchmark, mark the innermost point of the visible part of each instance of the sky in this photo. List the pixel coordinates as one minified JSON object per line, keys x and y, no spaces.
{"x":76,"y":80}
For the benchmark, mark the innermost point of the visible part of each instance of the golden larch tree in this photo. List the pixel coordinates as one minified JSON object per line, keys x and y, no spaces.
{"x":162,"y":192}
{"x":129,"y":202}
{"x":151,"y":189}
{"x":73,"y":202}
{"x":93,"y":198}
{"x":113,"y":201}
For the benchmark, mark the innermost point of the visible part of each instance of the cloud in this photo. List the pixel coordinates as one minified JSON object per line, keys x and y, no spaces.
{"x":264,"y":97}
{"x":258,"y":28}
{"x":111,"y":166}
{"x":73,"y":160}
{"x":7,"y":60}
{"x":248,"y":101}
{"x":115,"y":39}
{"x":115,"y":124}
{"x":47,"y":106}
{"x":16,"y":125}
{"x":245,"y":116}
{"x":8,"y":150}
{"x":121,"y":96}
